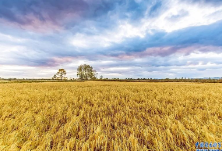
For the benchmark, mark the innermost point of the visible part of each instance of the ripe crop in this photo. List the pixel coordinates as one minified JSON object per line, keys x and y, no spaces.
{"x":109,"y":115}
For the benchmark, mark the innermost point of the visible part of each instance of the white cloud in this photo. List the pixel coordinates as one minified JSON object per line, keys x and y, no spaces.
{"x":196,"y":15}
{"x":9,"y":38}
{"x":94,"y":41}
{"x":206,"y":55}
{"x":187,"y":15}
{"x":106,"y":39}
{"x":119,"y":69}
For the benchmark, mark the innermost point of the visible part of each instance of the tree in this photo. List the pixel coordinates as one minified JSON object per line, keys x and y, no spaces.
{"x":86,"y":72}
{"x":60,"y":74}
{"x":54,"y":77}
{"x":101,"y":77}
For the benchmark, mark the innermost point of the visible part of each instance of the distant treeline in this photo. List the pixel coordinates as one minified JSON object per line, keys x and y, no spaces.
{"x":165,"y":80}
{"x":114,"y":79}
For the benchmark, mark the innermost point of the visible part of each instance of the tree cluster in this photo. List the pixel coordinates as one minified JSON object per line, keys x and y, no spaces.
{"x":84,"y":72}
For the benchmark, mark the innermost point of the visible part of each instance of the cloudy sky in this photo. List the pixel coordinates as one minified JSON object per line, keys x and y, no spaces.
{"x":119,"y":38}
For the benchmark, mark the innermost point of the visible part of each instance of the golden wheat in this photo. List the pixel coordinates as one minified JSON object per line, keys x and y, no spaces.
{"x":109,"y":116}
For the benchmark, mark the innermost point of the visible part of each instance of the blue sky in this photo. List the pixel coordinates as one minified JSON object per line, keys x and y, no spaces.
{"x":119,"y":38}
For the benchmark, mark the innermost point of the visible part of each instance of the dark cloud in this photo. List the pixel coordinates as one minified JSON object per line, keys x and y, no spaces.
{"x":209,"y":2}
{"x":70,"y":13}
{"x":208,"y":35}
{"x":50,"y":14}
{"x":155,"y":9}
{"x":204,"y":35}
{"x":17,"y":11}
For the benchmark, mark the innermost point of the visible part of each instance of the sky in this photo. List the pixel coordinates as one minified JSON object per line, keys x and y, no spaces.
{"x":118,"y":38}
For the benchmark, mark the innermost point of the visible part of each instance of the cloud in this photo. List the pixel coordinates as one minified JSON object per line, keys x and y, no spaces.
{"x":117,"y":37}
{"x":40,"y":15}
{"x":184,"y":40}
{"x":42,"y":49}
{"x":155,"y":9}
{"x":178,"y":16}
{"x":204,"y":2}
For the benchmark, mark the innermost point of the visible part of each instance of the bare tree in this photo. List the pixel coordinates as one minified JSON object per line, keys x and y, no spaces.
{"x":60,"y":74}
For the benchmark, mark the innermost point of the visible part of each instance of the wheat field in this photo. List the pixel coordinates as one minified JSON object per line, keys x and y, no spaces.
{"x":109,"y":116}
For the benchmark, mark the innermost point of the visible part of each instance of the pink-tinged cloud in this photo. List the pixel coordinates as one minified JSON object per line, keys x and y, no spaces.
{"x":42,"y":16}
{"x":33,"y":23}
{"x":169,"y":50}
{"x":56,"y":61}
{"x":49,"y":15}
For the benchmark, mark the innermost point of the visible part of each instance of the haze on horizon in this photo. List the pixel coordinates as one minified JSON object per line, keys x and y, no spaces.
{"x":119,"y":38}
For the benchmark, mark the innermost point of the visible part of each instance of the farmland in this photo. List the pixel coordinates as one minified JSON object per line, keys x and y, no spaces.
{"x":109,"y":115}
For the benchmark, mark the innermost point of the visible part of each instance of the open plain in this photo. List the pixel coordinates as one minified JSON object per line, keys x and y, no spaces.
{"x":109,"y":115}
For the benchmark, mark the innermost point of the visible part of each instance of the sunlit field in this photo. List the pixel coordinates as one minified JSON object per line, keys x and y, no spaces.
{"x":109,"y":115}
